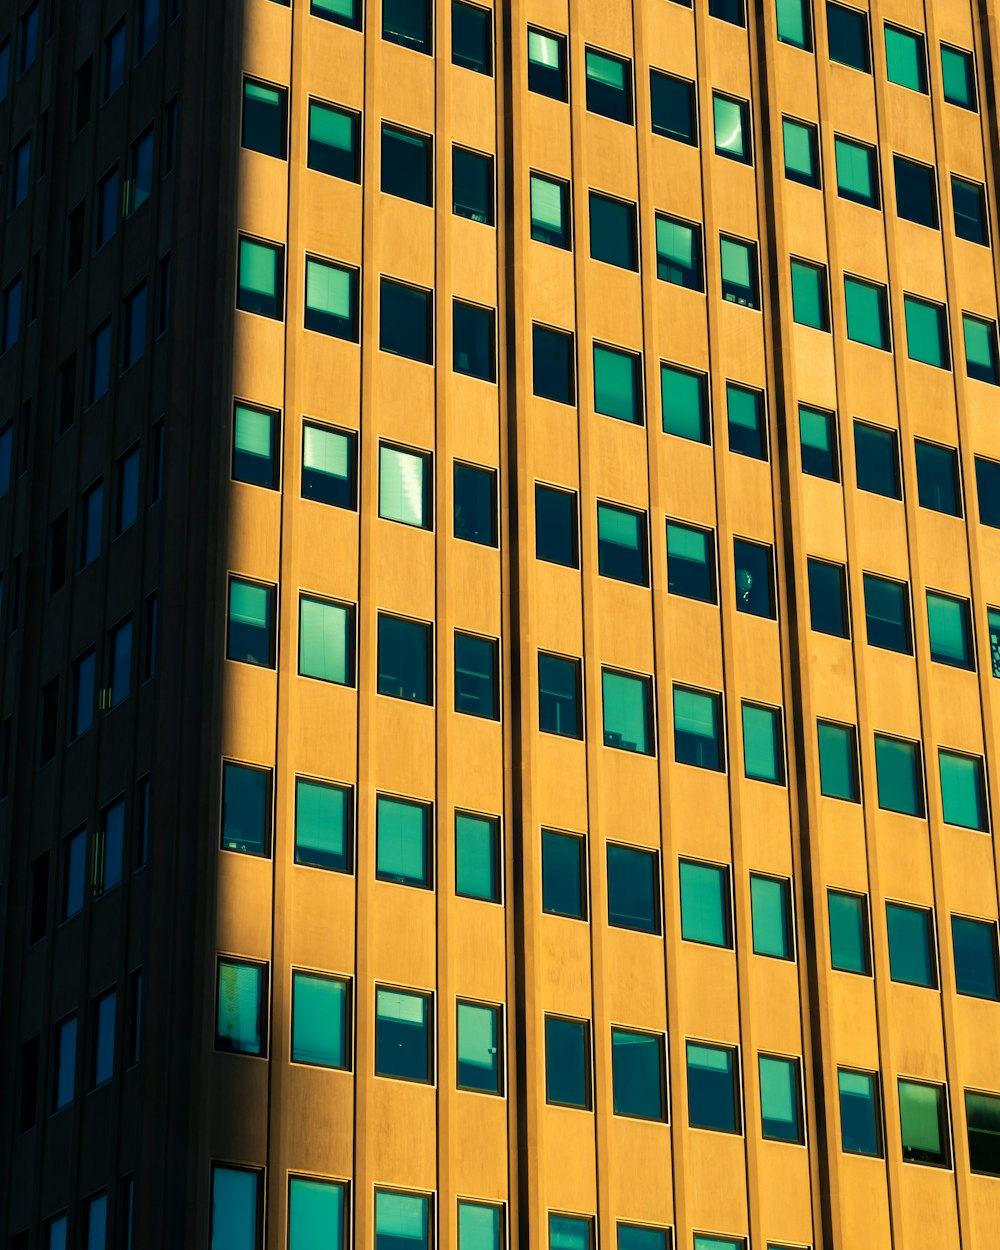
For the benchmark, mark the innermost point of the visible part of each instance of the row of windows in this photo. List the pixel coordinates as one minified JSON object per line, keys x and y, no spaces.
{"x":95,"y":1223}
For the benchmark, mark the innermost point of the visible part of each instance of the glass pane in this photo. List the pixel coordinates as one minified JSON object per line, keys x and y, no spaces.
{"x":887,"y":614}
{"x":771,"y":917}
{"x":609,"y":86}
{"x":480,"y":1226}
{"x":754,"y":585}
{"x":401,"y":1221}
{"x":962,"y":790}
{"x":559,"y":696}
{"x":827,"y":598}
{"x":331,"y":300}
{"x":711,"y":1088}
{"x":779,"y":1099}
{"x":322,"y":825}
{"x":948,"y":621}
{"x":562,"y":874}
{"x":553,"y":375}
{"x":937,"y":478}
{"x":617,"y":384}
{"x":555,"y":526}
{"x":476,"y":857}
{"x":569,"y":1232}
{"x":847,"y":31}
{"x":958,"y":77}
{"x":704,"y":903}
{"x":637,"y":1074}
{"x":911,"y":953}
{"x":690,"y":563}
{"x":685,"y":406}
{"x":817,"y":435}
{"x":900,"y":785}
{"x":240,"y":1009}
{"x":245,"y":809}
{"x":809,"y":295}
{"x":916,"y":192}
{"x":672,"y":107}
{"x":696,"y":728}
{"x":859,"y":1122}
{"x":316,"y":1214}
{"x":856,"y":178}
{"x":633,"y":889}
{"x":838,"y":769}
{"x":567,"y":1074}
{"x":763,"y":756}
{"x":325,"y":641}
{"x":471,"y":40}
{"x":402,"y":833}
{"x":867,"y":317}
{"x":975,"y":946}
{"x":980,"y":348}
{"x":626,"y":712}
{"x":678,"y":253}
{"x":731,"y":127}
{"x":921,"y":1115}
{"x":472,"y":185}
{"x":475,"y":504}
{"x":982,"y":1112}
{"x":801,"y":155}
{"x":478,"y":1054}
{"x":319,"y":1020}
{"x":613,"y":232}
{"x":253,"y":446}
{"x":794,"y":23}
{"x":333,"y":141}
{"x":744,"y":408}
{"x":235,"y":1209}
{"x":401,"y":1035}
{"x":904,"y":58}
{"x":405,"y":322}
{"x":876,"y":460}
{"x":548,"y":211}
{"x":476,"y":678}
{"x":638,"y":1237}
{"x":404,"y":486}
{"x":546,"y":64}
{"x":848,"y":932}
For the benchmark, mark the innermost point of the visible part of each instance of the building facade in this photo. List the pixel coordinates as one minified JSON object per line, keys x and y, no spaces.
{"x":500,"y":551}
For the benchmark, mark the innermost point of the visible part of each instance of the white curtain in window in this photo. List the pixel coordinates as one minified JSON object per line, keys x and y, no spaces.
{"x":327,"y":451}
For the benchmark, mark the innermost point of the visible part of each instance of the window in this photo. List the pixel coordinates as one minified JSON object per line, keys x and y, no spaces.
{"x":780,"y":1099}
{"x":570,"y":1232}
{"x":10,"y":329}
{"x":609,"y":86}
{"x":732,"y":128}
{"x":404,"y":491}
{"x":559,"y":697}
{"x":690,"y":562}
{"x":673,"y":108}
{"x":331,"y":299}
{"x":754,"y":578}
{"x":324,"y":819}
{"x":739,"y":272}
{"x":838,"y":762}
{"x":628,"y":711}
{"x":747,"y":435}
{"x":633,"y":889}
{"x":472,"y":185}
{"x":20,"y":173}
{"x":343,"y":12}
{"x":849,"y":945}
{"x":621,"y":544}
{"x":134,"y":326}
{"x":697,"y":716}
{"x":480,"y":1226}
{"x":911,"y":945}
{"x":254,"y":451}
{"x":550,"y":211}
{"x":923,"y":1121}
{"x":326,"y":641}
{"x":114,"y":62}
{"x":147,"y":26}
{"x":927,"y":332}
{"x":969,"y":203}
{"x":567,"y":1062}
{"x":713,"y":1101}
{"x":478,"y":1048}
{"x":801,"y":152}
{"x":887,"y":614}
{"x":547,"y":64}
{"x":613,"y":231}
{"x":763,"y":744}
{"x":876,"y":458}
{"x":242,"y":1006}
{"x":106,"y":209}
{"x":126,"y":492}
{"x":250,"y":633}
{"x":236,"y":1208}
{"x":320,"y":1020}
{"x":334,"y":145}
{"x":82,"y":705}
{"x":899,"y":775}
{"x":556,"y":526}
{"x":563,"y":875}
{"x":471,"y":37}
{"x":638,"y":1074}
{"x":27,"y":39}
{"x":982,"y":1114}
{"x":406,"y":165}
{"x":958,"y":77}
{"x":265,"y":118}
{"x":847,"y":32}
{"x":477,"y":676}
{"x":474,"y":341}
{"x":6,"y":451}
{"x":993,"y":618}
{"x":260,"y":286}
{"x":905,"y":61}
{"x":980,"y":348}
{"x":119,"y":664}
{"x":408,"y":23}
{"x":795,"y":23}
{"x":330,"y":466}
{"x":857,"y":172}
{"x":705,"y":910}
{"x":246,"y":808}
{"x":317,"y":1214}
{"x":860,"y":1121}
{"x":102,"y":1039}
{"x":988,"y":489}
{"x":950,"y":630}
{"x":4,"y":69}
{"x":477,"y":857}
{"x":405,"y":327}
{"x":818,"y":437}
{"x":475,"y":504}
{"x":916,"y":192}
{"x":553,"y":366}
{"x":728,"y":11}
{"x":963,"y":790}
{"x":810,"y":306}
{"x":684,"y":396}
{"x":828,"y":598}
{"x":139,"y":186}
{"x":91,"y":518}
{"x":403,"y":1035}
{"x":95,"y":1221}
{"x":404,"y":659}
{"x":975,"y":946}
{"x":771,"y":916}
{"x":108,"y":848}
{"x":867,"y":313}
{"x":64,"y":1063}
{"x":678,"y":253}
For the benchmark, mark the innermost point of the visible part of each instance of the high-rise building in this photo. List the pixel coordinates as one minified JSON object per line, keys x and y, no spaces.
{"x":499,"y":625}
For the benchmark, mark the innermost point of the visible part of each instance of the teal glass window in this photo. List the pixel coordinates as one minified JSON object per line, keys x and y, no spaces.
{"x":618,"y":384}
{"x":478,"y":1048}
{"x":613,"y":236}
{"x":850,"y":949}
{"x":923,"y":1122}
{"x":887,"y":614}
{"x":326,"y":641}
{"x":320,"y":1020}
{"x":254,"y":452}
{"x":547,"y":64}
{"x":860,"y":1121}
{"x":963,"y":790}
{"x":472,"y":185}
{"x":402,"y":1221}
{"x":477,"y":857}
{"x":958,"y":77}
{"x":402,"y":1035}
{"x":405,"y":327}
{"x":847,"y":33}
{"x":317,"y":1214}
{"x":331,"y":299}
{"x":719,"y":1243}
{"x":673,"y":110}
{"x":265,"y":111}
{"x":474,"y":498}
{"x":474,"y":341}
{"x":324,"y":824}
{"x":261,"y":281}
{"x":795,"y":23}
{"x":690,"y":562}
{"x":975,"y":946}
{"x":250,"y":633}
{"x":609,"y":85}
{"x":771,"y":916}
{"x":472,"y":37}
{"x":570,"y":1232}
{"x":810,"y":306}
{"x":637,"y":1074}
{"x":857,"y":172}
{"x":705,"y":911}
{"x":241,"y":1007}
{"x":818,"y":439}
{"x":556,"y":526}
{"x":916,"y":192}
{"x":621,"y":544}
{"x":763,"y":744}
{"x":684,"y":397}
{"x":980,"y":348}
{"x":926,"y":332}
{"x":911,"y":945}
{"x":480,"y":1226}
{"x":330,"y":466}
{"x":801,"y":145}
{"x":550,"y":211}
{"x":403,"y":835}
{"x":628,"y":711}
{"x":968,"y":200}
{"x":732,"y":128}
{"x":982,"y":1114}
{"x":905,"y":59}
{"x":246,"y":809}
{"x":408,"y":23}
{"x":404,"y":659}
{"x":559,"y":699}
{"x":236,"y":1208}
{"x":564,"y":864}
{"x":745,"y":412}
{"x":899,"y":775}
{"x":713,"y":1099}
{"x":643,"y":1237}
{"x":404,"y":486}
{"x":343,"y":12}
{"x":678,"y":253}
{"x":988,"y":490}
{"x":567,"y":1062}
{"x":780,"y":1099}
{"x":697,"y":718}
{"x":553,"y":366}
{"x":876,"y":460}
{"x":993,"y":622}
{"x":728,"y":11}
{"x":828,"y":598}
{"x":838,"y":761}
{"x":867,"y":313}
{"x":334,"y":145}
{"x":477,"y":676}
{"x":754,"y":578}
{"x":633,"y":889}
{"x":937,"y":478}
{"x":739,"y":272}
{"x":950,"y":630}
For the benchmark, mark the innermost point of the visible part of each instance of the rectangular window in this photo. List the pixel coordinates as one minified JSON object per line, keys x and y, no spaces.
{"x":980,"y":338}
{"x":838,"y":761}
{"x":876,"y":460}
{"x":857,"y":172}
{"x":329,"y":466}
{"x":82,"y":695}
{"x":404,"y":659}
{"x":547,"y":64}
{"x":317,"y":1214}
{"x":911,"y":945}
{"x":678,"y":253}
{"x":324,"y":824}
{"x":19,"y":173}
{"x":405,"y":486}
{"x":810,"y":306}
{"x":993,"y":621}
{"x":673,"y":109}
{"x":334,"y":145}
{"x":628,"y":711}
{"x":134,"y":326}
{"x":139,"y":185}
{"x":550,"y":211}
{"x":113,"y":74}
{"x":126,"y":492}
{"x":250,"y":632}
{"x":982,"y":1114}
{"x":477,"y":676}
{"x":74,"y":873}
{"x":905,"y":60}
{"x":697,"y":737}
{"x":241,"y":1018}
{"x":975,"y":945}
{"x":638,"y":1074}
{"x":475,"y":504}
{"x":570,"y":1232}
{"x":958,"y":75}
{"x":916,"y":192}
{"x":472,"y":185}
{"x":705,"y":907}
{"x":246,"y":808}
{"x":754,"y":578}
{"x":887,"y":614}
{"x":621,"y":544}
{"x":899,"y":775}
{"x":818,"y":439}
{"x":613,"y":232}
{"x":969,"y":203}
{"x":763,"y":744}
{"x":407,"y":165}
{"x":326,"y":641}
{"x":119,"y":674}
{"x":479,"y":1067}
{"x":801,"y":144}
{"x":988,"y":491}
{"x":745,"y":412}
{"x":106,"y":209}
{"x":739,"y":272}
{"x":237,"y":1208}
{"x":867,"y":313}
{"x":567,"y":1062}
{"x":102,"y":1039}
{"x":780,"y":1099}
{"x":480,"y":1226}
{"x":559,"y":697}
{"x":474,"y":341}
{"x":609,"y":85}
{"x":331,"y":299}
{"x":938,"y":485}
{"x":771,"y":916}
{"x":828,"y":612}
{"x":63,"y":1063}
{"x":564,"y":867}
{"x":690,"y":562}
{"x":472,"y":37}
{"x":847,"y":33}
{"x":477,"y":857}
{"x":260,"y":285}
{"x":95,"y":1222}
{"x":850,"y":949}
{"x":732,"y":128}
{"x":265,"y":118}
{"x":402,"y":1220}
{"x":343,"y":12}
{"x":923,"y":1122}
{"x":402,"y":1036}
{"x":713,"y":1098}
{"x":860,"y":1119}
{"x":963,"y":790}
{"x":408,"y":23}
{"x":321,"y":1028}
{"x":684,"y":398}
{"x":950,"y":630}
{"x":147,"y":29}
{"x":255,"y":446}
{"x":10,"y":315}
{"x":633,"y":889}
{"x":405,"y":325}
{"x":556,"y":528}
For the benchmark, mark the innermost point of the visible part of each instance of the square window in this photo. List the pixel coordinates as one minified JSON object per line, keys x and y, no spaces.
{"x":713,"y":1100}
{"x":705,"y":909}
{"x":754,"y":578}
{"x":950,"y":630}
{"x":477,"y":676}
{"x":472,"y":185}
{"x":321,"y":1027}
{"x":684,"y":397}
{"x":559,"y":698}
{"x":988,"y":489}
{"x":860,"y":1121}
{"x":963,"y":790}
{"x":609,"y":86}
{"x":980,"y":348}
{"x":628,"y":711}
{"x":402,"y":1051}
{"x":673,"y":108}
{"x":407,"y":165}
{"x":969,"y":203}
{"x":763,"y":744}
{"x":404,"y":659}
{"x":472,"y":37}
{"x":633,"y":889}
{"x":867,"y":313}
{"x":937,"y":478}
{"x":326,"y":641}
{"x":570,"y":1232}
{"x":838,"y":761}
{"x":911,"y":945}
{"x":567,"y":1062}
{"x":690,"y":562}
{"x":621,"y":544}
{"x":324,"y":824}
{"x":958,"y":77}
{"x":697,"y":738}
{"x":810,"y":306}
{"x":402,"y":1218}
{"x":828,"y":598}
{"x":405,"y":326}
{"x":550,"y":215}
{"x":801,"y":144}
{"x":343,"y":12}
{"x":250,"y":633}
{"x":480,"y":1226}
{"x":314,"y":1205}
{"x":254,"y":458}
{"x":982,"y":1114}
{"x":739,"y":272}
{"x":857,"y":172}
{"x":246,"y":809}
{"x":265,"y":114}
{"x":771,"y":916}
{"x":795,"y":23}
{"x":553,"y":365}
{"x":329,"y":466}
{"x":613,"y":232}
{"x":334,"y":145}
{"x":637,"y":1074}
{"x":887,"y":614}
{"x":732,"y":128}
{"x":899,"y":775}
{"x":850,"y":950}
{"x":916,"y":192}
{"x":241,"y":1017}
{"x":547,"y":64}
{"x":905,"y":60}
{"x":408,"y":23}
{"x":474,"y":341}
{"x":477,"y":857}
{"x":678,"y":253}
{"x":818,"y":439}
{"x":237,"y":1208}
{"x":780,"y":1099}
{"x":564,"y":867}
{"x":923,"y":1122}
{"x":260,"y":286}
{"x":556,"y":526}
{"x":926,"y":332}
{"x":876,"y":459}
{"x":478,"y":1048}
{"x":475,"y":504}
{"x":847,"y":33}
{"x":975,"y":946}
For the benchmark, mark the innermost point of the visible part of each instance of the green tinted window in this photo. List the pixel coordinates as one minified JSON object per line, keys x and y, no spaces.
{"x":809,"y":302}
{"x":969,"y":202}
{"x":320,"y":1028}
{"x":570,"y":1232}
{"x":334,"y":146}
{"x":246,"y":809}
{"x":827,"y":598}
{"x":642,"y":1237}
{"x":712,"y":1098}
{"x":609,"y":85}
{"x":745,"y":412}
{"x":887,"y":614}
{"x":472,"y":185}
{"x":477,"y":857}
{"x":876,"y":460}
{"x":690,"y":562}
{"x":857,"y":176}
{"x":627,"y":712}
{"x":550,"y":211}
{"x":553,"y":366}
{"x":236,"y":1208}
{"x":480,"y":1226}
{"x":326,"y":641}
{"x":472,"y":44}
{"x":621,"y":544}
{"x":241,"y":1007}
{"x":331,"y":299}
{"x":993,"y":620}
{"x":559,"y":696}
{"x":250,"y":634}
{"x":405,"y":327}
{"x":547,"y":64}
{"x":555,"y":526}
{"x":404,"y":486}
{"x":763,"y":750}
{"x":923,"y":1124}
{"x":937,"y":478}
{"x":697,"y":716}
{"x":911,"y":945}
{"x":982,"y":1114}
{"x":254,"y":458}
{"x":567,"y":1062}
{"x":477,"y":673}
{"x":899,"y":776}
{"x":563,"y":868}
{"x":637,"y":1074}
{"x":818,"y":438}
{"x":678,"y":253}
{"x":916,"y":192}
{"x":958,"y":77}
{"x":617,"y":384}
{"x":950,"y":630}
{"x":323,"y":825}
{"x":980,"y":348}
{"x":672,"y":106}
{"x":838,"y":761}
{"x":860,"y":1123}
{"x":801,"y":152}
{"x":867,"y":313}
{"x":264,"y":110}
{"x":329,"y":466}
{"x":317,"y":1214}
{"x":963,"y":790}
{"x":613,"y":232}
{"x":402,"y":1221}
{"x":684,"y":396}
{"x":402,"y":1038}
{"x":780,"y":1099}
{"x":732,"y":128}
{"x":705,"y":903}
{"x":633,"y":888}
{"x":848,"y":916}
{"x":344,"y":12}
{"x":905,"y":62}
{"x":402,"y":831}
{"x":739,"y":272}
{"x":988,"y":490}
{"x":771,"y":913}
{"x":795,"y":23}
{"x":926,"y":332}
{"x":479,"y":1048}
{"x":261,"y":278}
